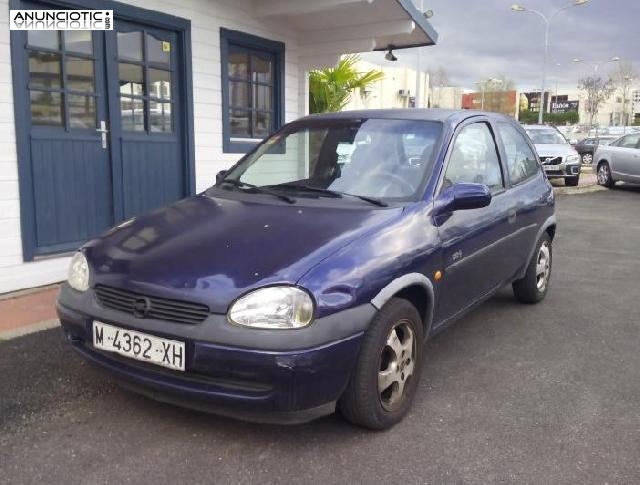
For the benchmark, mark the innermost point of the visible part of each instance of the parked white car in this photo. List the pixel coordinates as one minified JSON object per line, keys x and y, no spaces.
{"x":559,"y":159}
{"x":619,"y":161}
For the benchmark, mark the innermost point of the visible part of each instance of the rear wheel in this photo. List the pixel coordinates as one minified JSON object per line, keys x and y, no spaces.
{"x":604,"y":175}
{"x":384,"y":381}
{"x":572,"y":181}
{"x":587,"y":158}
{"x":533,"y":287}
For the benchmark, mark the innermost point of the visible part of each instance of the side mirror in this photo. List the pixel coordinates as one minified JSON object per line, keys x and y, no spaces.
{"x":220,"y":175}
{"x":462,"y":197}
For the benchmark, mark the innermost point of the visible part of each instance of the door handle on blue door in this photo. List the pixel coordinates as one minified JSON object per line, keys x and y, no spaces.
{"x":103,"y":133}
{"x":511,"y":216}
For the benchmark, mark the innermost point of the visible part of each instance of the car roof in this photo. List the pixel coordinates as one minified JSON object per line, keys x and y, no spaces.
{"x":418,"y":114}
{"x":540,"y":127}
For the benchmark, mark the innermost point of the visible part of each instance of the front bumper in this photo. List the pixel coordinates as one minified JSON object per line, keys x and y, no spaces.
{"x":562,"y":170}
{"x":298,"y":378}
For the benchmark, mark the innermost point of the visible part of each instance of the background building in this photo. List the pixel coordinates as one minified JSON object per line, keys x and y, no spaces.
{"x":398,"y":90}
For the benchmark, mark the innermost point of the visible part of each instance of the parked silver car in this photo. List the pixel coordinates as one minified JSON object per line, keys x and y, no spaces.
{"x":619,"y":161}
{"x":559,"y":159}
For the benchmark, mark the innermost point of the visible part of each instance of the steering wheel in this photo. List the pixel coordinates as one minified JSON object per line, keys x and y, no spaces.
{"x":396,"y":182}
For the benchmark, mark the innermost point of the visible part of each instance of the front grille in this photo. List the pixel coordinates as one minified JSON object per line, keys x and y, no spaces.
{"x":158,"y":308}
{"x":551,"y":160}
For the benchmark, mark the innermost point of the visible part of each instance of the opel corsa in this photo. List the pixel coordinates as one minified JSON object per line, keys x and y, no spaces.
{"x":309,"y":277}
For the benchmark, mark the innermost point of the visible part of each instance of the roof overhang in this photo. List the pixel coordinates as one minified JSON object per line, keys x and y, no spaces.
{"x":329,"y":28}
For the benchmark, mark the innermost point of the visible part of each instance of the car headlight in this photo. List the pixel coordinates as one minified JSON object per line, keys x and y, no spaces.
{"x":79,"y":272}
{"x":573,"y":159}
{"x":277,"y":307}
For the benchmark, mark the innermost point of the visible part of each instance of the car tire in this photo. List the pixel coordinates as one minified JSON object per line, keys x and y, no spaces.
{"x":587,"y":158}
{"x":572,"y":181}
{"x":384,"y":381}
{"x":533,"y":287}
{"x":604,"y":175}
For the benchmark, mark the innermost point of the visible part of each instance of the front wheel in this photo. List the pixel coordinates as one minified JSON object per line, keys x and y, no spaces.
{"x":587,"y":158}
{"x":604,"y":175}
{"x":533,"y":287}
{"x":385,"y":379}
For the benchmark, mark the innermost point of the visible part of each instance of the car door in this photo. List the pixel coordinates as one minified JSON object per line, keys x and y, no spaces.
{"x":527,"y":190}
{"x":472,"y":240}
{"x":625,"y":163}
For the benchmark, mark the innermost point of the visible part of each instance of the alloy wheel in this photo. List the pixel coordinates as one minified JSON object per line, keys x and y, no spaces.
{"x":603,"y":174}
{"x":543,"y":266}
{"x":587,"y":158}
{"x":397,"y":361}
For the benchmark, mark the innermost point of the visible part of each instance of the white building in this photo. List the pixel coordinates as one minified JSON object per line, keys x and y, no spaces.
{"x":397,"y":89}
{"x":98,"y":126}
{"x":610,"y":112}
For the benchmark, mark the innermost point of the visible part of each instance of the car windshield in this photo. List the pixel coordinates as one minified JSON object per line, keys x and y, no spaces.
{"x":546,"y":137}
{"x":372,"y":158}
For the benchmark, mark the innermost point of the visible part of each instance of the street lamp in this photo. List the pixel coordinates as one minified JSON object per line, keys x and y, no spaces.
{"x":547,"y":20}
{"x":596,"y":64}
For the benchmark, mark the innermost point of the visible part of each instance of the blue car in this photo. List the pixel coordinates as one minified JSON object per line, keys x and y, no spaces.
{"x":309,"y":277}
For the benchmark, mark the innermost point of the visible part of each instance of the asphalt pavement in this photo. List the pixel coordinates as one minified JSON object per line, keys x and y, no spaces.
{"x":512,"y":393}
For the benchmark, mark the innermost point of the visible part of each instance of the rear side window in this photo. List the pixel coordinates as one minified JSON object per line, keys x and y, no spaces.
{"x":629,"y":141}
{"x":521,"y":161}
{"x":474,"y":159}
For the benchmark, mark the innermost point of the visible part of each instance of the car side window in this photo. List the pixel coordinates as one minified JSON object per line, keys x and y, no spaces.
{"x":474,"y":159}
{"x":521,"y":161}
{"x":629,"y":141}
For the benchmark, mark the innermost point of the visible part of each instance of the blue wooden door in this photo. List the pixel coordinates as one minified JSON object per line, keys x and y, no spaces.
{"x":106,"y":128}
{"x":69,"y":156}
{"x":147,"y":128}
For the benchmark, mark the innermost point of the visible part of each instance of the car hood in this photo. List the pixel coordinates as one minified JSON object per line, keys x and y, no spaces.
{"x":555,"y":150}
{"x":211,"y":250}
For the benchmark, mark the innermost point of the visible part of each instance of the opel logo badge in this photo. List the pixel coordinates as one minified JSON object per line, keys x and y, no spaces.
{"x":141,"y":307}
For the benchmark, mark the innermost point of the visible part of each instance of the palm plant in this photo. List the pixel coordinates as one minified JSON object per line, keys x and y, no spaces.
{"x":330,"y":89}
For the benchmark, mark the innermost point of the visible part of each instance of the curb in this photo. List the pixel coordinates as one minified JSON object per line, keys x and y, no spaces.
{"x":585,"y":189}
{"x":28,"y":329}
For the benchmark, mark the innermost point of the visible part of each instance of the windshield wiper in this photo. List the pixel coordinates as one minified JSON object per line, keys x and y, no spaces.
{"x":309,"y":188}
{"x":335,"y":193}
{"x":371,"y":200}
{"x":258,"y":189}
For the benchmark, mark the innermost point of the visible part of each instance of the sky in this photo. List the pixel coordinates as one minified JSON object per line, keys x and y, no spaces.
{"x":479,"y":39}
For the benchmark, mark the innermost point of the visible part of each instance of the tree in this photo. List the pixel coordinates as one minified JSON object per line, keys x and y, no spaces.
{"x":596,"y":91}
{"x":438,"y":79}
{"x":500,"y":83}
{"x":622,"y":78}
{"x":331,"y":89}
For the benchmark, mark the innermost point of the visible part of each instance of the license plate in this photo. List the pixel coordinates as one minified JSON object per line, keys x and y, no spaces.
{"x":139,"y":346}
{"x":550,"y":168}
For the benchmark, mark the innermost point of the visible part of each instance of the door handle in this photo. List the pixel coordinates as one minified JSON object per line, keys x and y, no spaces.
{"x":103,"y":133}
{"x":511,"y":216}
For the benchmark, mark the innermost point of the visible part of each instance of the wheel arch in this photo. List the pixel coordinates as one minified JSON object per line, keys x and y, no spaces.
{"x":551,"y":230}
{"x":548,"y":227}
{"x":415,"y":288}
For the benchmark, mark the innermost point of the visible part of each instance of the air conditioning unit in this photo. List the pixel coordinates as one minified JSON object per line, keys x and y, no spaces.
{"x":404,"y":93}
